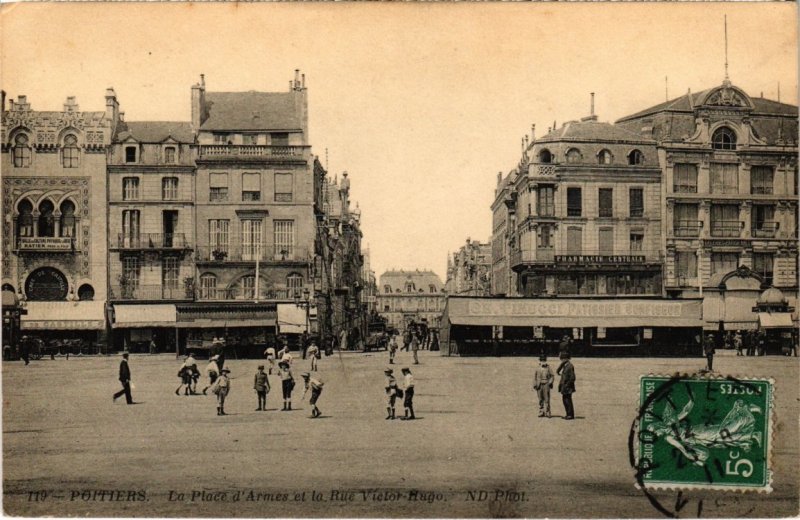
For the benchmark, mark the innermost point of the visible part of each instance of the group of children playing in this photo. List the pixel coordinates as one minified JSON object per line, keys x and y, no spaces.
{"x":406,"y":393}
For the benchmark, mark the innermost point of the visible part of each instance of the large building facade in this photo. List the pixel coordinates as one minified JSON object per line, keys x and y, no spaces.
{"x":54,"y":219}
{"x":405,"y":296}
{"x":692,"y":198}
{"x":469,"y":270}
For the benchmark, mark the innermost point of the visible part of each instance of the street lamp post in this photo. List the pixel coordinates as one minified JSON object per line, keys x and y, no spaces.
{"x":304,"y":304}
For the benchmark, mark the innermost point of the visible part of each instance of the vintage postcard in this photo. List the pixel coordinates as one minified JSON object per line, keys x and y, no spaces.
{"x":400,"y":260}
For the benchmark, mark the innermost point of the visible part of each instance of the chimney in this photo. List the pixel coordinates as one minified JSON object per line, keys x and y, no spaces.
{"x":591,"y":116}
{"x":199,"y":113}
{"x":70,"y":105}
{"x":3,"y":98}
{"x":591,"y":110}
{"x":112,"y":107}
{"x":298,"y":89}
{"x":22,"y":103}
{"x":533,"y":132}
{"x":122,"y":117}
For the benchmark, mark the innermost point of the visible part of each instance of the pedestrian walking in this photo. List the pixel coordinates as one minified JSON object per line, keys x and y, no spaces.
{"x":406,"y":339}
{"x":287,"y":384}
{"x":392,"y":348}
{"x":565,"y":346}
{"x":186,"y":373}
{"x":25,"y":349}
{"x":315,"y":384}
{"x":749,"y":342}
{"x":408,"y":390}
{"x":566,"y":385}
{"x":153,"y":345}
{"x":737,"y":342}
{"x":415,"y":348}
{"x":761,"y":343}
{"x":221,"y":389}
{"x":709,"y":350}
{"x":314,"y":354}
{"x":212,"y":370}
{"x":542,"y":384}
{"x":261,"y":386}
{"x":125,"y":379}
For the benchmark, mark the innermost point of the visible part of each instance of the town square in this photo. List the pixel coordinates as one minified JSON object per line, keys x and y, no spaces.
{"x":408,"y":260}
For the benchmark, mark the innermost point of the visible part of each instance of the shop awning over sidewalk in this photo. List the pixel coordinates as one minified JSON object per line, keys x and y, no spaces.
{"x":150,"y":315}
{"x":775,"y":320}
{"x":569,"y":313}
{"x":80,"y":315}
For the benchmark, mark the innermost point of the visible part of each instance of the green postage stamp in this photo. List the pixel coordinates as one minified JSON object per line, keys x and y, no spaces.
{"x":704,"y":432}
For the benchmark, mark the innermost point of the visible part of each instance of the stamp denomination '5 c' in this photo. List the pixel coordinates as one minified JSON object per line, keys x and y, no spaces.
{"x":705,"y":432}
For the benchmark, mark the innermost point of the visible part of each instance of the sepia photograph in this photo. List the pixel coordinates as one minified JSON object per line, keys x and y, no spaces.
{"x":466,"y":260}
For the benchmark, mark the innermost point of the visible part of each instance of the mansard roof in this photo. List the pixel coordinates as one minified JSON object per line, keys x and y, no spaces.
{"x":229,"y":111}
{"x":591,"y":130}
{"x":154,"y":131}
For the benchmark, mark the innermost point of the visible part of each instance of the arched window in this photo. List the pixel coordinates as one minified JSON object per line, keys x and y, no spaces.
{"x":208,"y":286}
{"x":25,"y":219}
{"x":69,"y":153}
{"x":432,"y":288}
{"x":294,"y":282}
{"x":545,"y":156}
{"x":604,"y":157}
{"x":169,"y":155}
{"x":67,"y":219}
{"x":47,"y":226}
{"x":723,"y":139}
{"x":8,"y":287}
{"x":247,"y":287}
{"x":86,"y":292}
{"x":22,"y":152}
{"x":387,"y":289}
{"x":574,"y":155}
{"x":410,"y":287}
{"x":635,"y":157}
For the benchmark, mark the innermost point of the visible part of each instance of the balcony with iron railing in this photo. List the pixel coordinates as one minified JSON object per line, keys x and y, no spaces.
{"x":168,"y":241}
{"x":765,"y":229}
{"x":132,"y":291}
{"x":251,"y":253}
{"x":687,"y":228}
{"x":542,"y":169}
{"x":230,"y":151}
{"x":726,"y":228}
{"x":247,"y":293}
{"x":585,"y":257}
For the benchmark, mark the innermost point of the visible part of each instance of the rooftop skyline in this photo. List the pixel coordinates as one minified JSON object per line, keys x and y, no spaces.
{"x":422,"y":104}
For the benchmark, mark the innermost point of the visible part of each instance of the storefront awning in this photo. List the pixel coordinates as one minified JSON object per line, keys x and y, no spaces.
{"x":81,"y":315}
{"x":569,"y":313}
{"x":775,"y":320}
{"x":135,"y":316}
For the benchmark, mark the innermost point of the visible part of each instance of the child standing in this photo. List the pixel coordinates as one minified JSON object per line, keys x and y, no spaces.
{"x":261,"y":385}
{"x":221,"y":389}
{"x":542,"y":383}
{"x":270,"y":353}
{"x":408,"y":402}
{"x":392,"y":348}
{"x":315,"y":383}
{"x":287,"y":384}
{"x":391,"y":392}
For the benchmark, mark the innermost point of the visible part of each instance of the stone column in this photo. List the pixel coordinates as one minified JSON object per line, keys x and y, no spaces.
{"x":745,"y":216}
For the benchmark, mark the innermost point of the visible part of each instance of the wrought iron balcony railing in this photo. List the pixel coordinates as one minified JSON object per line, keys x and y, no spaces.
{"x":251,"y":253}
{"x":150,"y":292}
{"x":766,"y":229}
{"x":687,"y":228}
{"x":247,"y":293}
{"x":152,"y":241}
{"x":726,"y":228}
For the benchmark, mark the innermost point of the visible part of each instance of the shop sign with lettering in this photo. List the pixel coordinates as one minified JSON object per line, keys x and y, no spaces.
{"x":599,"y":259}
{"x":639,"y":308}
{"x":45,"y":243}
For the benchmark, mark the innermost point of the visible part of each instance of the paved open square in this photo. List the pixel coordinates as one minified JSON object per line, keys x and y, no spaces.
{"x":477,"y":448}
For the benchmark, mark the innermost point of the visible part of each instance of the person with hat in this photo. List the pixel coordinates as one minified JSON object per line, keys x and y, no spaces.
{"x":125,"y":379}
{"x":221,"y":389}
{"x":566,"y":385}
{"x":261,"y":385}
{"x":186,"y":373}
{"x":542,"y":383}
{"x":270,"y":354}
{"x":287,"y":384}
{"x":415,"y":347}
{"x":212,"y":369}
{"x":392,"y":346}
{"x":392,"y":392}
{"x":315,"y":383}
{"x":737,"y":342}
{"x":408,"y":401}
{"x":708,"y":351}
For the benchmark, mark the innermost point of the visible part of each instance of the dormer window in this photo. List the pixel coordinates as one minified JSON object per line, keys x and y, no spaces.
{"x":574,"y":156}
{"x":22,"y":152}
{"x":69,"y":153}
{"x":130,"y":154}
{"x":545,"y":156}
{"x":723,"y":139}
{"x":169,"y":155}
{"x":635,"y":157}
{"x":604,"y":157}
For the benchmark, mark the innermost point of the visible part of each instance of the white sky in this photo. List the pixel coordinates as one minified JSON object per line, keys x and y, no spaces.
{"x":422,"y":104}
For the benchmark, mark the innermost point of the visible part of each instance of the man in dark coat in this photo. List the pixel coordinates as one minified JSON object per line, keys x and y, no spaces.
{"x":125,"y":379}
{"x":709,"y":348}
{"x":566,"y":385}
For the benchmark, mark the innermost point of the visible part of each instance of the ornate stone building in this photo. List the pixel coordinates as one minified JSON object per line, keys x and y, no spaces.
{"x":54,"y":218}
{"x":410,"y":295}
{"x":469,"y":270}
{"x":729,"y":192}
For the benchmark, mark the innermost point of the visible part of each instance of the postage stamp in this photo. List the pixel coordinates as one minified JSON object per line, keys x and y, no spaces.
{"x":700,"y":432}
